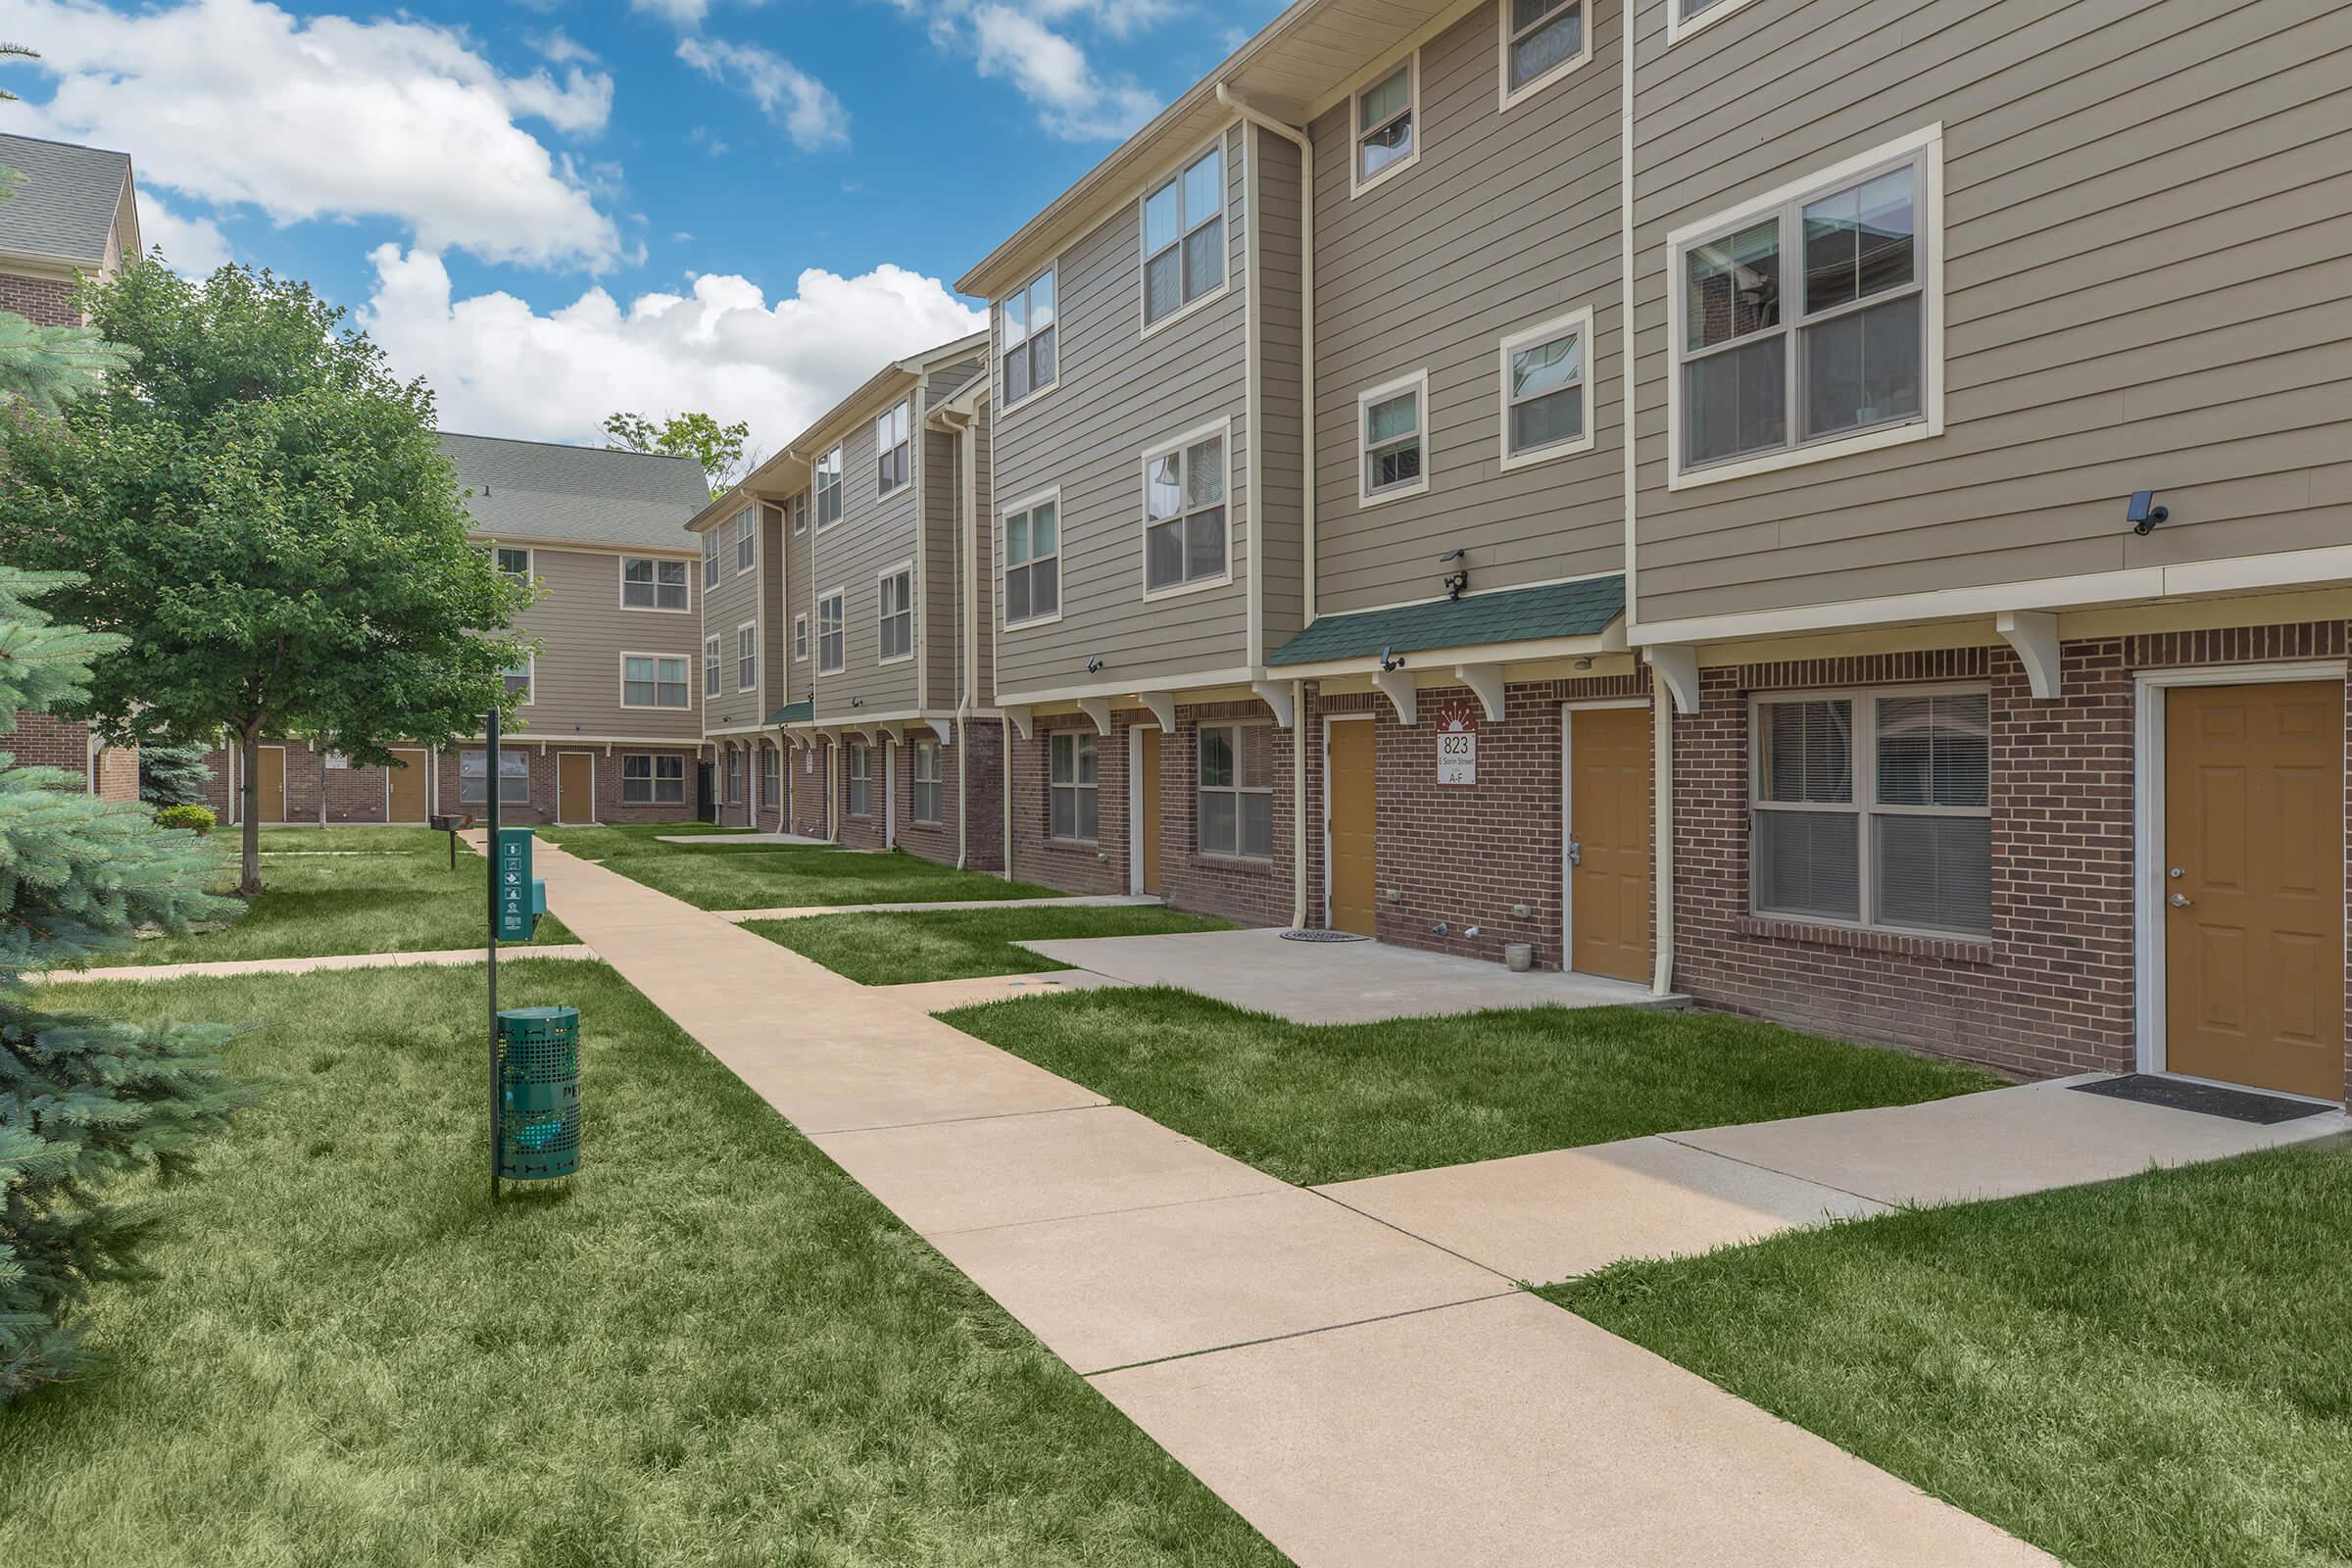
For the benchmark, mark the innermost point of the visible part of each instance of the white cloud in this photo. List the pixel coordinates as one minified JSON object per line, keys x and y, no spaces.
{"x":236,"y":102}
{"x":194,"y":246}
{"x":561,"y":48}
{"x":500,"y":368}
{"x":787,"y":95}
{"x":1014,"y":43}
{"x":681,"y":13}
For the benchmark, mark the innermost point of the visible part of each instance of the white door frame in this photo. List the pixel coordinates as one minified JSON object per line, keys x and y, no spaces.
{"x":1330,"y":719}
{"x":2148,"y":830}
{"x":591,"y":755}
{"x":1568,"y":713}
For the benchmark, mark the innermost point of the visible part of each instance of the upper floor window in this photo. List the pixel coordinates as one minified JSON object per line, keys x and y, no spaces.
{"x":1390,"y":436}
{"x":709,"y":558}
{"x":799,"y":512}
{"x":829,"y":659}
{"x":1184,"y":237}
{"x":926,"y":781}
{"x":519,"y":680}
{"x":890,"y":450}
{"x":895,"y":615}
{"x":747,"y":656}
{"x":650,"y":584}
{"x":654,"y":680}
{"x":1073,"y":805}
{"x":1029,"y":337}
{"x":711,"y":660}
{"x":1033,"y":562}
{"x":514,"y":562}
{"x":1769,"y":375}
{"x":1236,"y":805}
{"x":828,"y":490}
{"x":1184,"y":512}
{"x":799,"y":637}
{"x":1543,"y":41}
{"x":1685,"y":17}
{"x":747,"y":539}
{"x":1546,"y":391}
{"x":1385,"y":138}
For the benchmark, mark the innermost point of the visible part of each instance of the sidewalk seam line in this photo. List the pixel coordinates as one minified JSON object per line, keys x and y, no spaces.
{"x":1300,"y":1334}
{"x":1753,"y":1164}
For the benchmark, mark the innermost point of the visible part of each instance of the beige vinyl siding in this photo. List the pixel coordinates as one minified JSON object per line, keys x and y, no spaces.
{"x":2146,"y":227}
{"x":940,"y":642}
{"x":1508,"y":219}
{"x":984,"y":674}
{"x":582,"y":631}
{"x":775,"y":615}
{"x":1120,"y":393}
{"x":1281,"y":554}
{"x":875,"y":531}
{"x":733,"y":602}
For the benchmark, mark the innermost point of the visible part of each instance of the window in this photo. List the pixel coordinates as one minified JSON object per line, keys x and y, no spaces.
{"x":653,"y":680}
{"x":772,"y":775}
{"x":828,"y":634}
{"x":709,"y":559}
{"x":1237,"y":791}
{"x":799,"y":512}
{"x":514,"y":778}
{"x":895,"y":615}
{"x":653,"y":780}
{"x":1029,"y":336}
{"x":1184,"y":514}
{"x":747,"y":656}
{"x":1685,"y":17}
{"x":800,"y":639}
{"x":1388,"y":435}
{"x":1873,"y":809}
{"x":516,"y":564}
{"x":747,"y":540}
{"x":862,"y":780}
{"x":734,"y":775}
{"x":890,"y":449}
{"x":649,"y":584}
{"x":1762,"y":373}
{"x":1384,"y":125}
{"x":828,"y":490}
{"x":1543,"y":41}
{"x":519,"y":680}
{"x":711,"y":659}
{"x":926,"y":781}
{"x":1184,"y":237}
{"x":1546,"y":394}
{"x":1033,"y":563}
{"x":1072,"y":806}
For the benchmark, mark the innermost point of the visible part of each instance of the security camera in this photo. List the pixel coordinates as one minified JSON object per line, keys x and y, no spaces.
{"x":2143,"y":515}
{"x":1093,"y":666}
{"x":1388,"y":660}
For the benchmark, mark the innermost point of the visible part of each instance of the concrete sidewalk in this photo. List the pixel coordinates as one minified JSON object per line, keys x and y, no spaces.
{"x":1361,"y":1395}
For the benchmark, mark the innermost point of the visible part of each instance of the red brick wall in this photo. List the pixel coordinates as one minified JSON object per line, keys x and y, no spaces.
{"x":609,"y":807}
{"x":41,"y":740}
{"x":42,"y":301}
{"x":358,"y":795}
{"x":864,"y":831}
{"x":1252,"y":892}
{"x":806,"y":788}
{"x":1097,"y":868}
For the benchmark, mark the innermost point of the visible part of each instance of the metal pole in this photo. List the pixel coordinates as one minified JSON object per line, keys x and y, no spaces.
{"x":490,"y":762}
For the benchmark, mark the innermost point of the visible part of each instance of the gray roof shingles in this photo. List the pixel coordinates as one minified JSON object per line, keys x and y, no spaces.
{"x":581,"y":495}
{"x":1506,"y":615}
{"x":64,"y":207}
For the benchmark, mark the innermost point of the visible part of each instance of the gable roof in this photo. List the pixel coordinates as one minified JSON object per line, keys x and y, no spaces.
{"x":1505,"y":615}
{"x":557,"y":494}
{"x":64,"y":207}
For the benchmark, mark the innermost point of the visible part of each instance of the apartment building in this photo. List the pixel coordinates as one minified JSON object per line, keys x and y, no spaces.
{"x":610,"y":726}
{"x":743,"y":666}
{"x":72,"y":216}
{"x":1948,"y":649}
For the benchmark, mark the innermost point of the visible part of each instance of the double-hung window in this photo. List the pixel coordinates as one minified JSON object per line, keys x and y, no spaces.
{"x":653,"y":780}
{"x":516,"y":564}
{"x":828,"y":490}
{"x":772,"y":775}
{"x":1543,"y":41}
{"x":892,"y":446}
{"x":518,"y":679}
{"x":895,"y":615}
{"x":734,"y":775}
{"x":800,"y":639}
{"x":1685,"y":17}
{"x":861,"y":779}
{"x":1029,"y":338}
{"x":747,"y":540}
{"x":650,"y":584}
{"x":1184,"y":512}
{"x":709,"y":558}
{"x":1804,"y":322}
{"x":1385,"y":139}
{"x":1184,"y":237}
{"x":711,"y":663}
{"x":1389,"y":434}
{"x":829,"y":660}
{"x":1033,"y":562}
{"x":514,"y":778}
{"x":1872,"y":807}
{"x":926,"y":781}
{"x":653,"y":680}
{"x":747,"y":656}
{"x":1546,"y":391}
{"x":1072,"y":804}
{"x":799,"y":512}
{"x":1236,"y":809}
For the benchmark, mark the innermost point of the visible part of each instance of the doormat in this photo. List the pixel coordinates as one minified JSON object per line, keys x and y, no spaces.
{"x":2206,"y":1100}
{"x":1323,"y":936}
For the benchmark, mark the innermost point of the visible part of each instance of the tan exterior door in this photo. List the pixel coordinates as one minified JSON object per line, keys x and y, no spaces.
{"x":269,"y":783}
{"x":575,"y":787}
{"x":1147,"y":818}
{"x":408,"y":791}
{"x":1352,"y":778}
{"x":1608,"y":830}
{"x":2253,"y":882}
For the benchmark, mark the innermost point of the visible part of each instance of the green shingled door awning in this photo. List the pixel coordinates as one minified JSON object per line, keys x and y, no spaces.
{"x":1507,"y":615}
{"x":800,"y":712}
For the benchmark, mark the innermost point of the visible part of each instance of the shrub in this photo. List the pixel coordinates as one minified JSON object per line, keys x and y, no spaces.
{"x":198,"y":818}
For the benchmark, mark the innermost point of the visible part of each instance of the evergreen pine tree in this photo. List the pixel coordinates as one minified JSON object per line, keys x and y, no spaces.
{"x":173,"y":775}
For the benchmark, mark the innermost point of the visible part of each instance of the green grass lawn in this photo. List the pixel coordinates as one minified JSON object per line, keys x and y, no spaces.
{"x":2149,"y":1373}
{"x":645,"y":838}
{"x":345,"y":890}
{"x":1332,"y":1103}
{"x":787,"y":876}
{"x":714,"y":1349}
{"x":902,"y":948}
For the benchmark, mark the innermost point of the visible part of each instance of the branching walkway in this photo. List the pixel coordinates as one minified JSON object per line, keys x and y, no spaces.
{"x":1359,"y":1395}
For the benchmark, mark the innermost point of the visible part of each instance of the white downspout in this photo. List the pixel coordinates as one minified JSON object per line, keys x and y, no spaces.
{"x":1298,"y":743}
{"x":1662,"y":861}
{"x":1004,"y":777}
{"x":968,"y":476}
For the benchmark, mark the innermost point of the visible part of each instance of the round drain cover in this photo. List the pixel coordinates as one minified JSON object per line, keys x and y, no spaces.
{"x":1323,"y":936}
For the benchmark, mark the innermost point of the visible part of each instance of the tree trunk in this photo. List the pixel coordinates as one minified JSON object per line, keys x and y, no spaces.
{"x":249,"y":878}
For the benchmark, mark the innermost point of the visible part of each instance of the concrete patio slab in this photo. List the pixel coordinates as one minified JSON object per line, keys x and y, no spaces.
{"x":1509,"y":1431}
{"x":940,"y":996}
{"x":340,"y":961}
{"x":1338,"y":982}
{"x":1994,"y":1145}
{"x":1020,"y":1170}
{"x":1545,"y":1217}
{"x":1098,"y":901}
{"x":1111,"y":1290}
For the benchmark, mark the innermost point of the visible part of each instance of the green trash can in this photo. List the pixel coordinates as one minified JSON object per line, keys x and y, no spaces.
{"x":538,"y":1093}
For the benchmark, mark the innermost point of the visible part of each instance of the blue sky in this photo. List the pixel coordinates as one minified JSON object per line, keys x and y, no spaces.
{"x":552,"y":209}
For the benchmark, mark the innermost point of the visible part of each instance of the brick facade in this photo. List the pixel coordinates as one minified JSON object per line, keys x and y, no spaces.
{"x":809,"y":765}
{"x":42,"y":740}
{"x":360,"y":795}
{"x":42,"y":301}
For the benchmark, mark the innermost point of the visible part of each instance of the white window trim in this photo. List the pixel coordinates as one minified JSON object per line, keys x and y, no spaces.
{"x":937,"y":782}
{"x":1026,"y":504}
{"x":714,"y":663}
{"x":1928,"y":140}
{"x":1506,"y":97}
{"x":1222,"y":430}
{"x":998,"y":349}
{"x":1358,"y":185}
{"x":1078,"y":737}
{"x":749,"y":519}
{"x":802,"y":504}
{"x":530,"y":673}
{"x":841,"y":620}
{"x":628,"y":654}
{"x":1678,"y":28}
{"x":652,"y":778}
{"x":799,"y":638}
{"x":854,"y":754}
{"x":1364,"y":496}
{"x":903,"y":568}
{"x":531,"y":561}
{"x":751,"y":626}
{"x":906,"y":403}
{"x":1579,"y":322}
{"x":1864,"y":759}
{"x":1237,"y":789}
{"x":710,"y":566}
{"x":1143,"y":239}
{"x":838,"y":456}
{"x":620,"y":573}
